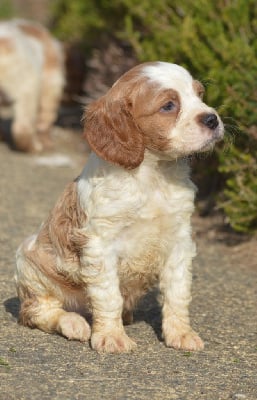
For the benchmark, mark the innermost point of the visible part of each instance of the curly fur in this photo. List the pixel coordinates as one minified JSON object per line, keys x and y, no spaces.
{"x":124,"y":225}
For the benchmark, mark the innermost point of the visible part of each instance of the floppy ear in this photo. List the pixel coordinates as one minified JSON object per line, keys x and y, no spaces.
{"x":112,"y":133}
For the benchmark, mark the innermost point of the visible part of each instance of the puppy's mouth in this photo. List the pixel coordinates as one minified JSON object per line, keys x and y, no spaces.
{"x":216,"y":137}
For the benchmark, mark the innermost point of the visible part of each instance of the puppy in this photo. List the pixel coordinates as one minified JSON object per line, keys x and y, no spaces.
{"x":32,"y":78}
{"x":123,"y":226}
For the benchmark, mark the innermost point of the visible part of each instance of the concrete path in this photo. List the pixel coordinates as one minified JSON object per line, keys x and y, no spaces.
{"x":38,"y":366}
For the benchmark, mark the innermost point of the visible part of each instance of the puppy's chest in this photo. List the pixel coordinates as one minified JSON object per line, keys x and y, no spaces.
{"x":144,"y":245}
{"x":136,"y":218}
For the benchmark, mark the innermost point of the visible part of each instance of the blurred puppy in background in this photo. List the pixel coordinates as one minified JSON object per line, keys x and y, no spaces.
{"x":31,"y":80}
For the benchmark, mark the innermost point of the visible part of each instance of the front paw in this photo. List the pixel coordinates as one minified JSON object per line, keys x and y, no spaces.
{"x":74,"y":327}
{"x":112,"y":342}
{"x":188,"y":340}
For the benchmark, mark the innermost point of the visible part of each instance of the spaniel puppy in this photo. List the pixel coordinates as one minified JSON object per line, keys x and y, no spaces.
{"x":32,"y":78}
{"x":123,"y":226}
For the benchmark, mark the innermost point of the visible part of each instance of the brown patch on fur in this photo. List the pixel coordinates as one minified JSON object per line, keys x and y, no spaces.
{"x":26,"y":311}
{"x":60,"y":237}
{"x":52,"y":59}
{"x":128,"y":119}
{"x":29,"y":303}
{"x":6,"y":46}
{"x":154,"y":122}
{"x":198,"y":88}
{"x":112,"y":133}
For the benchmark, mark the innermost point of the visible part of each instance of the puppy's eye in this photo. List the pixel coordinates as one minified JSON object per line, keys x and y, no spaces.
{"x":168,"y":107}
{"x":201,"y":94}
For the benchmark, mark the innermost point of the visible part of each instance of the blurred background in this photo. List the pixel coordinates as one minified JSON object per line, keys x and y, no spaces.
{"x":215,"y":40}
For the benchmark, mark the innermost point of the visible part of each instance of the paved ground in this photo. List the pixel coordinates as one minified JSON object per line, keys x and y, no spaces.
{"x":35,"y":365}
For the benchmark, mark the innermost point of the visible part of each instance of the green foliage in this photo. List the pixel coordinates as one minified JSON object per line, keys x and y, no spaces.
{"x":6,"y":10}
{"x":86,"y":20}
{"x":217,"y":42}
{"x":240,"y":202}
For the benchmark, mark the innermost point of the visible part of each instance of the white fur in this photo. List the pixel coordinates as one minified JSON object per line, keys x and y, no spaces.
{"x":147,"y":226}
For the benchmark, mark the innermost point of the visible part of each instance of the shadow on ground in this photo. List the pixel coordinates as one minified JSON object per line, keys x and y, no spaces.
{"x":148,"y":311}
{"x":12,"y":306}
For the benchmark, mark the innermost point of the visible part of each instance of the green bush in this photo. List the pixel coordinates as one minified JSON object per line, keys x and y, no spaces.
{"x":6,"y":10}
{"x":216,"y":41}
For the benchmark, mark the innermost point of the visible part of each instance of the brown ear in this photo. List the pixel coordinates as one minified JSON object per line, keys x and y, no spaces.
{"x":112,"y":134}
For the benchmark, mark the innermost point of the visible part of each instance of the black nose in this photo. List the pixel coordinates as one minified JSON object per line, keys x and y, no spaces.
{"x":209,"y":120}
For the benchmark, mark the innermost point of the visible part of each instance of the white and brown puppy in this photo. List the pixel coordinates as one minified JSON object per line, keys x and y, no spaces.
{"x":32,"y":78}
{"x":123,"y":225}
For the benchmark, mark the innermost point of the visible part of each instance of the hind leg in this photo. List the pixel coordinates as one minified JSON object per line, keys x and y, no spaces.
{"x":46,"y":313}
{"x":43,"y":301}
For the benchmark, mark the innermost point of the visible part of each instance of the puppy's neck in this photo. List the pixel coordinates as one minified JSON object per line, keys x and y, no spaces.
{"x":152,"y":162}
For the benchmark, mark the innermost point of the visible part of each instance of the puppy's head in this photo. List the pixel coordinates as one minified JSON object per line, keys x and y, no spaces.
{"x":155,"y":106}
